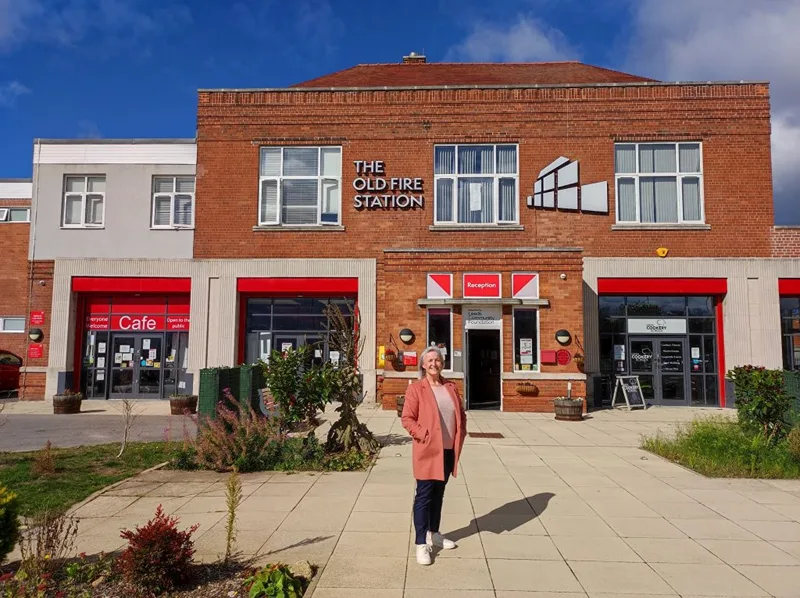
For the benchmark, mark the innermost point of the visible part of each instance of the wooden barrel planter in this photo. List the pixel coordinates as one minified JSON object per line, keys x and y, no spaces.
{"x":183,"y":404}
{"x":570,"y":410}
{"x":67,"y":404}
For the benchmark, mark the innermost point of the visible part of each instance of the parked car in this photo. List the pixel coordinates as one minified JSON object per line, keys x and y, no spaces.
{"x":9,"y":371}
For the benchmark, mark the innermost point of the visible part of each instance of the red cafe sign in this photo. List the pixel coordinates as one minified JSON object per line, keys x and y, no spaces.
{"x":481,"y":286}
{"x":139,"y":323}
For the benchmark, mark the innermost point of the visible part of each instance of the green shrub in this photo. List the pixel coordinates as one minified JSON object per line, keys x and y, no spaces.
{"x":274,"y":580}
{"x":721,"y":448}
{"x":793,"y":443}
{"x":9,"y":522}
{"x":761,"y":400}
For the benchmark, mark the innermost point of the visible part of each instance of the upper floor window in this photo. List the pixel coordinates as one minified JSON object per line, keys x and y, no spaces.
{"x":173,"y":202}
{"x":12,"y":324}
{"x":84,"y":201}
{"x":660,"y":183}
{"x":476,"y":184}
{"x":15,"y":214}
{"x":300,"y":186}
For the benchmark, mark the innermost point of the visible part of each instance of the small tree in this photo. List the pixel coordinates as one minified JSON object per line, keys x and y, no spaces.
{"x":130,"y":413}
{"x":761,"y":400}
{"x":347,"y":432}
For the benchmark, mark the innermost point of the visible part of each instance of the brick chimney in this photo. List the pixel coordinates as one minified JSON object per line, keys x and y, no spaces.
{"x":414,"y":58}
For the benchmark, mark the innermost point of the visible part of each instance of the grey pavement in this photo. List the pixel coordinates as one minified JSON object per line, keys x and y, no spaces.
{"x":551,"y":509}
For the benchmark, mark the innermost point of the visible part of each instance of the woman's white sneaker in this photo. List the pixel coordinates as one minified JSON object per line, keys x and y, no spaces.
{"x":423,"y":554}
{"x":439,"y":541}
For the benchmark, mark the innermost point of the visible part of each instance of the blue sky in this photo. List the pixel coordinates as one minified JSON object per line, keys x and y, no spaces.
{"x":131,"y":68}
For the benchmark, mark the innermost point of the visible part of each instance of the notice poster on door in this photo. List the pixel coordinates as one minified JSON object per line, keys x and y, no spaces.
{"x":101,"y":362}
{"x":117,"y":358}
{"x":127,"y":356}
{"x":124,"y":349}
{"x":152,"y":354}
{"x":334,"y":357}
{"x":526,"y":351}
{"x":619,"y":352}
{"x":695,"y":352}
{"x":100,"y":376}
{"x":286,"y":347}
{"x":101,"y":348}
{"x":145,"y":344}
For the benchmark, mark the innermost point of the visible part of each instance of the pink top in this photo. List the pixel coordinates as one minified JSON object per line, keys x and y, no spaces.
{"x":447,"y":415}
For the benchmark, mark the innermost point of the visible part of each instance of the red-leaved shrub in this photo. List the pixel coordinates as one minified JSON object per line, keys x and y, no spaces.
{"x":158,"y":554}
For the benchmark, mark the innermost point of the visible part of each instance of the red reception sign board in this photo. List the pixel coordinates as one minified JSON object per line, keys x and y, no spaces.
{"x":482,"y":286}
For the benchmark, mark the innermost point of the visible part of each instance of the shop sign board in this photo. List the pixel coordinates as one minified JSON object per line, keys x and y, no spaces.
{"x":656,"y":326}
{"x":138,"y":323}
{"x":629,"y":389}
{"x":376,"y":191}
{"x":482,"y":317}
{"x":482,"y":286}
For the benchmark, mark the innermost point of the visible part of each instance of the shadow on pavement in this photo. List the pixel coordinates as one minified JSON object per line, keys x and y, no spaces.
{"x":506,"y":518}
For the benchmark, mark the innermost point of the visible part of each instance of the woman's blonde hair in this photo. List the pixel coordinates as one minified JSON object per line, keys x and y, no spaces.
{"x":431,"y":349}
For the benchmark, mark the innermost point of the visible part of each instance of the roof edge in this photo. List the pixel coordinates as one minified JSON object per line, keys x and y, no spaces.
{"x":133,"y":141}
{"x":2,"y":180}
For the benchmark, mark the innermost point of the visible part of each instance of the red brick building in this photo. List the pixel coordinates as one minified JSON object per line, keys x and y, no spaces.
{"x":557,"y":224}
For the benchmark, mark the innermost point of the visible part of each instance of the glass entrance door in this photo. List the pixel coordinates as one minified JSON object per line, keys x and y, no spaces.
{"x":661,"y":367}
{"x":136,"y":365}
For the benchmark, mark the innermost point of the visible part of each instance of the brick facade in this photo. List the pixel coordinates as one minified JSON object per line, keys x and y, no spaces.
{"x":786,"y":242}
{"x":14,"y":275}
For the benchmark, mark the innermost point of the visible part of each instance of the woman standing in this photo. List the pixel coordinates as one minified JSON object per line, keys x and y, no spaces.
{"x":434,"y":416}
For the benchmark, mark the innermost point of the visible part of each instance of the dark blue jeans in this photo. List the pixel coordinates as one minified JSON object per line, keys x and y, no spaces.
{"x":428,"y":500}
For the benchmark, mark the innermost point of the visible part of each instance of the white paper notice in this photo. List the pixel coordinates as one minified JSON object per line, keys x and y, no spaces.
{"x":334,"y":357}
{"x":526,"y":347}
{"x":152,"y":354}
{"x":318,"y":353}
{"x":101,"y":348}
{"x":145,"y":344}
{"x":125,"y":349}
{"x":127,"y":357}
{"x":526,"y":359}
{"x":101,"y":362}
{"x":475,"y":197}
{"x":286,"y":347}
{"x":695,"y":352}
{"x":181,"y":384}
{"x":101,"y":376}
{"x":456,"y":353}
{"x":118,"y":358}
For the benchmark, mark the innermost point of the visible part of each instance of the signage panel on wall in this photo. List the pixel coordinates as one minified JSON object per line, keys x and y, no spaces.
{"x":525,"y":285}
{"x":656,"y":326}
{"x":35,"y":351}
{"x":138,"y":323}
{"x":37,"y":318}
{"x":440,"y":286}
{"x":376,"y":191}
{"x":482,"y":317}
{"x":482,"y":286}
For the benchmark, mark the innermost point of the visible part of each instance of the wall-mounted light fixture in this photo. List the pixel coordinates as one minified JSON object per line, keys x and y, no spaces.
{"x":563,"y":337}
{"x":406,"y":335}
{"x":35,"y":334}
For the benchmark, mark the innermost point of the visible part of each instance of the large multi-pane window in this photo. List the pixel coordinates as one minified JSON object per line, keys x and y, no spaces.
{"x":790,"y":327}
{"x":84,"y":201}
{"x":659,"y":183}
{"x":476,"y":184}
{"x":440,"y":333}
{"x":526,"y":340}
{"x":173,"y":202}
{"x":300,"y":186}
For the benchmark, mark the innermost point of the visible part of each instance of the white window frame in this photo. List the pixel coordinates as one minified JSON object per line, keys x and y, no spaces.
{"x":428,"y":332}
{"x":83,"y":194}
{"x":455,"y":176}
{"x":537,"y":358}
{"x":3,"y":325}
{"x":678,"y":181}
{"x":5,"y":215}
{"x":171,"y":195}
{"x":280,"y":178}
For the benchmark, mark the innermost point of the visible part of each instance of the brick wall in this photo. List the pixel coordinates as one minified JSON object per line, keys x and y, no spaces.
{"x":14,"y":275}
{"x":786,"y":242}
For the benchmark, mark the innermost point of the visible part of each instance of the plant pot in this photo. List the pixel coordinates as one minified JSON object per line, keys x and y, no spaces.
{"x":183,"y":405}
{"x":66,"y":404}
{"x":568,"y":409}
{"x":401,"y":399}
{"x":527,"y":390}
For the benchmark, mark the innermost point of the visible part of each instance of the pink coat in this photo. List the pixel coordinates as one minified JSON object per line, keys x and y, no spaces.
{"x":421,"y":419}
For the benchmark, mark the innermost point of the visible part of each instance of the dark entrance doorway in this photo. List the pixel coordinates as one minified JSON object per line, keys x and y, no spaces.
{"x":483,"y":369}
{"x":661,"y":364}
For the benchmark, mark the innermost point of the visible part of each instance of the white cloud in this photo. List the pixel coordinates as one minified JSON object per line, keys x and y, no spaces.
{"x":733,"y":40}
{"x":525,"y":40}
{"x":10,"y":92}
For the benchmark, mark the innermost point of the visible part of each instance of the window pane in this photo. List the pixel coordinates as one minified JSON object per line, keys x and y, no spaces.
{"x":163,"y":184}
{"x":72,"y":209}
{"x":331,"y":199}
{"x":506,"y":159}
{"x":268,"y":212}
{"x":475,"y":200}
{"x":76,"y":184}
{"x":97,"y":184}
{"x":475,"y":159}
{"x":611,"y":306}
{"x":299,"y":203}
{"x":790,"y":307}
{"x":94,"y":209}
{"x":701,"y":306}
{"x":525,"y":346}
{"x":184,"y":185}
{"x":626,"y":196}
{"x":691,"y":198}
{"x":444,"y":200}
{"x":508,"y":200}
{"x":659,"y":199}
{"x":656,"y":306}
{"x":657,"y":158}
{"x":700,"y":325}
{"x":444,"y":160}
{"x":270,"y":161}
{"x":698,"y":391}
{"x":709,"y":354}
{"x":689,"y":157}
{"x":625,"y":159}
{"x":19,"y":215}
{"x":14,"y":324}
{"x":439,"y":333}
{"x":163,"y":205}
{"x":183,"y":210}
{"x":331,"y":161}
{"x":300,"y":161}
{"x":712,"y":391}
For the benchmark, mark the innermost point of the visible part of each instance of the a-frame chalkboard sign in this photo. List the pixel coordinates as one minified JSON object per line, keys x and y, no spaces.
{"x":630,"y":390}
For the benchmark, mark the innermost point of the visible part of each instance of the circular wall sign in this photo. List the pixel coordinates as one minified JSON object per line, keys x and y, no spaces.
{"x":563,"y":357}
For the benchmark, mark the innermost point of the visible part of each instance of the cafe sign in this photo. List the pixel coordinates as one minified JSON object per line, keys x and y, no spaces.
{"x":656,"y":326}
{"x":376,"y":191}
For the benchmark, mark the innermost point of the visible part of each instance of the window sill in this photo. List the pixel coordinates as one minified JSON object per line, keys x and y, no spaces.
{"x":656,"y":226}
{"x":83,"y":227}
{"x":475,"y":227}
{"x":315,"y":228}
